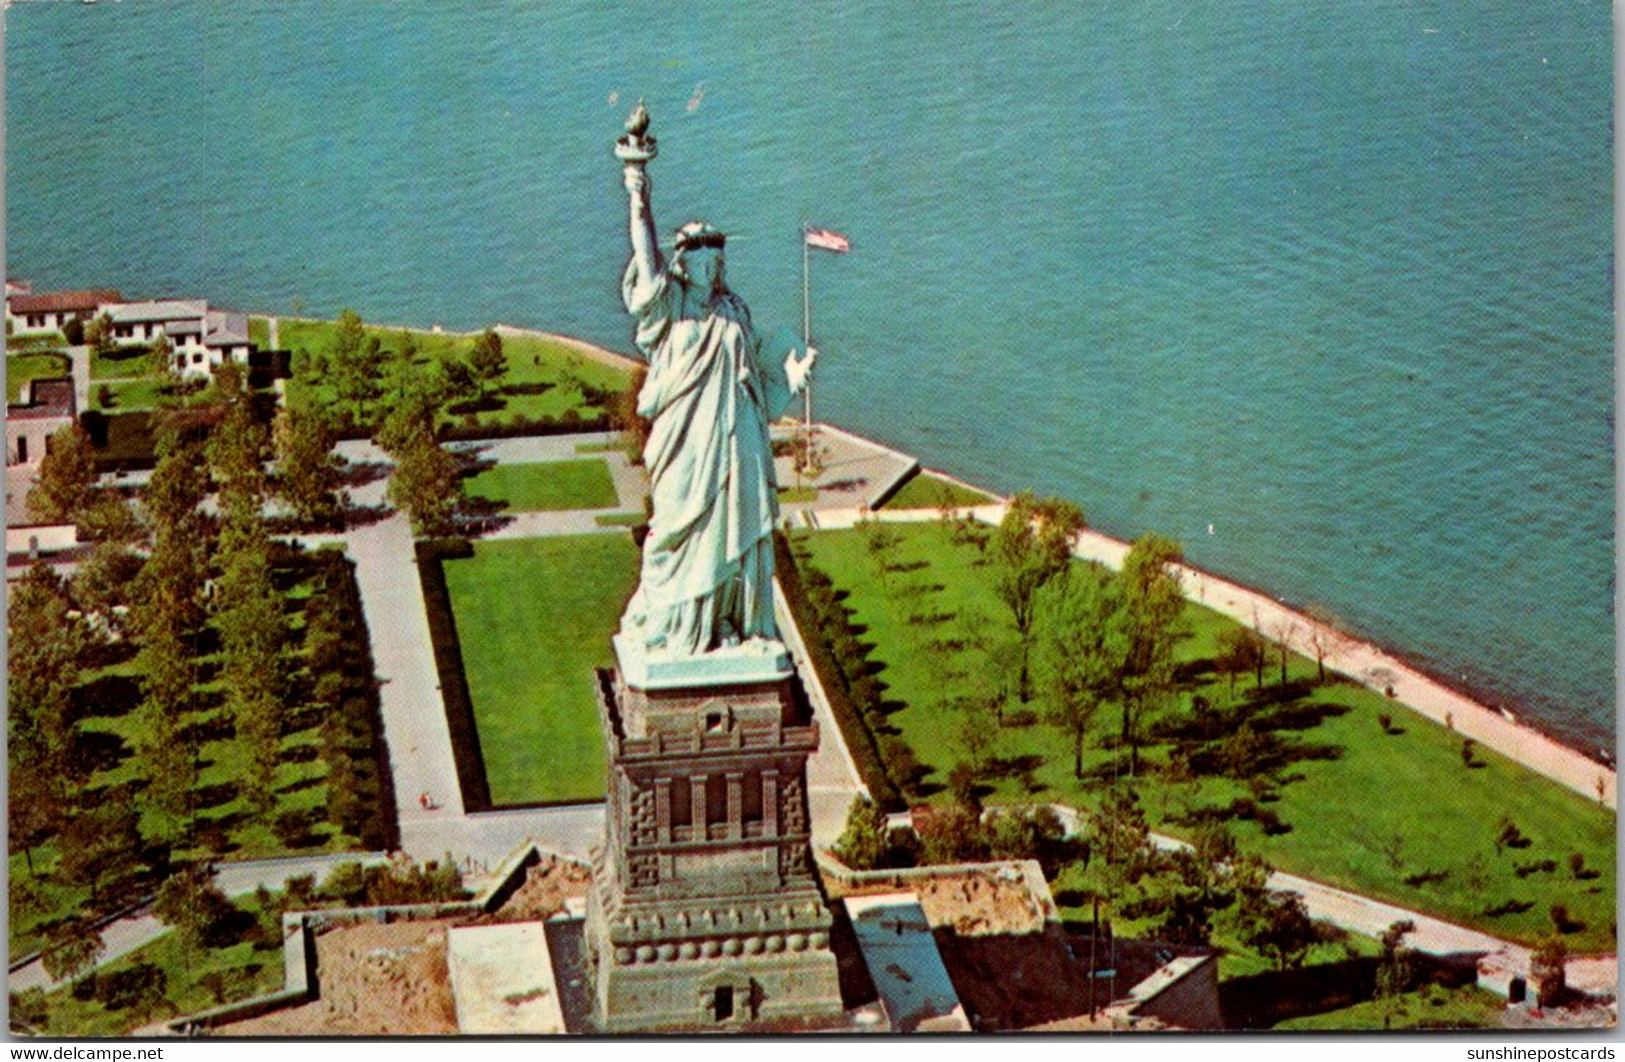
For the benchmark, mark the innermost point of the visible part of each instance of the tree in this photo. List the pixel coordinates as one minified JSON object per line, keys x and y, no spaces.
{"x":977,"y":728}
{"x":1119,"y":834}
{"x":237,"y":442}
{"x":486,"y":360}
{"x":1240,"y":650}
{"x":66,"y":487}
{"x":1326,"y":637}
{"x":355,"y":367}
{"x":309,"y":470}
{"x":461,"y":382}
{"x":625,"y":418}
{"x":1078,"y":657}
{"x":1283,"y":632}
{"x":73,"y":331}
{"x":1032,"y":546}
{"x":1024,"y":833}
{"x":862,"y":845}
{"x":101,"y":847}
{"x":1280,"y":928}
{"x":99,"y":336}
{"x":102,"y":586}
{"x":425,"y":483}
{"x":952,"y":833}
{"x":1547,"y":969}
{"x":161,"y":362}
{"x":45,"y":643}
{"x":252,"y":633}
{"x":191,"y":903}
{"x":1394,"y":973}
{"x":1145,"y":630}
{"x":72,"y":947}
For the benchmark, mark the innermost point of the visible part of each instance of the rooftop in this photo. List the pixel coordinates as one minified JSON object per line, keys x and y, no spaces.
{"x":225,"y":328}
{"x":60,"y":301}
{"x":51,"y":397}
{"x":156,"y":310}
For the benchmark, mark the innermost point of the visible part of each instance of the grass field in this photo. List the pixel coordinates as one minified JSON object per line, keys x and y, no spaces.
{"x":927,"y":491}
{"x":1434,"y":1007}
{"x":21,"y":368}
{"x":545,"y":379}
{"x":128,"y":394}
{"x":534,"y":618}
{"x":123,"y":363}
{"x":163,"y":979}
{"x":546,"y":486}
{"x":1393,"y":814}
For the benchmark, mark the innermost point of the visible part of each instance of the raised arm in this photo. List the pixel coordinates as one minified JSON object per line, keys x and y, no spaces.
{"x":645,"y":250}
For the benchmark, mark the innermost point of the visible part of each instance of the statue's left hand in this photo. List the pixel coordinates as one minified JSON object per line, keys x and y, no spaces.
{"x":799,"y":369}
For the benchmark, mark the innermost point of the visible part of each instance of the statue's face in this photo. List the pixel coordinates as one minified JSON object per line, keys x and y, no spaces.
{"x":703,"y":267}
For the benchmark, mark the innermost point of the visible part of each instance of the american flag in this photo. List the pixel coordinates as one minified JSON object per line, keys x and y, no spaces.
{"x":828,"y":240}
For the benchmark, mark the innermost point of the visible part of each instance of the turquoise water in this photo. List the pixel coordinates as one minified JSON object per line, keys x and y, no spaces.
{"x":1332,"y":278}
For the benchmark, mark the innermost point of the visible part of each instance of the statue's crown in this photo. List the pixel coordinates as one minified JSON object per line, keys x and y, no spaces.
{"x":699,"y":234}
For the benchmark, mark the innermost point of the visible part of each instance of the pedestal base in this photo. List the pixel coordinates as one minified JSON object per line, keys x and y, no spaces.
{"x":705,"y":911}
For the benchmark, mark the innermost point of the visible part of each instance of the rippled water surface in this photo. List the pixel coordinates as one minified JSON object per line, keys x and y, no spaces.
{"x":1331,"y":278}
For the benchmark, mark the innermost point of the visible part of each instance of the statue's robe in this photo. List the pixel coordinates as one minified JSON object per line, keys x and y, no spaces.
{"x":707,"y":577}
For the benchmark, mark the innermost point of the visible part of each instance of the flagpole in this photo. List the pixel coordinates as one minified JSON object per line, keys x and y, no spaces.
{"x":806,"y":338}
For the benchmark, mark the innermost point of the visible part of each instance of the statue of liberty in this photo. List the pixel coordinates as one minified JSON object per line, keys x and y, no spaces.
{"x":711,"y":392}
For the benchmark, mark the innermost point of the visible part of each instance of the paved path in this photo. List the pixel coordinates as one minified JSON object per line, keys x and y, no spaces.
{"x":124,"y":935}
{"x":416,"y":733}
{"x":857,"y":472}
{"x":1361,"y":661}
{"x":832,"y":775}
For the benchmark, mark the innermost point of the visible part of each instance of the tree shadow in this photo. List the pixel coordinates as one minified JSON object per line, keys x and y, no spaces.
{"x":92,"y":751}
{"x":216,"y":795}
{"x":107,"y":697}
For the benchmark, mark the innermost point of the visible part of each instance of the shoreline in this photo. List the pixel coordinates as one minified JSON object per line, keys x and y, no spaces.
{"x":1362,"y":660}
{"x":1357,"y":659}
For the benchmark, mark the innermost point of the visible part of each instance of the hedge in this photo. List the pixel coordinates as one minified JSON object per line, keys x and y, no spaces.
{"x":860,"y":740}
{"x":448,"y":658}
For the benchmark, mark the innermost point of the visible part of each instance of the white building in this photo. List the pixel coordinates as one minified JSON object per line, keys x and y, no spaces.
{"x":202,"y":338}
{"x":31,"y":314}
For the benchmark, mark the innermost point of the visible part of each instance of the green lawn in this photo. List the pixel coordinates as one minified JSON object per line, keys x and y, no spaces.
{"x":37,"y":341}
{"x":123,"y":363}
{"x":143,"y":393}
{"x":546,"y":486}
{"x":534,"y":618}
{"x":21,"y":368}
{"x":927,"y":491}
{"x":163,"y":979}
{"x":1433,"y":1007}
{"x":259,"y":332}
{"x":1393,"y":815}
{"x":793,"y":495}
{"x":545,"y":378}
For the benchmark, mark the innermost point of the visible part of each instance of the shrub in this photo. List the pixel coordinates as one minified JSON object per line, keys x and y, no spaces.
{"x":1546,"y":970}
{"x":863,"y":844}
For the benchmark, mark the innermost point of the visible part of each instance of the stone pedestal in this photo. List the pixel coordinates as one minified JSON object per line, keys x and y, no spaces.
{"x":705,"y":913}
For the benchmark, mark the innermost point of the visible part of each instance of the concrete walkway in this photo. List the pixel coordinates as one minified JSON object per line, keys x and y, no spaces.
{"x":1360,"y":661}
{"x":140,"y":928}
